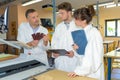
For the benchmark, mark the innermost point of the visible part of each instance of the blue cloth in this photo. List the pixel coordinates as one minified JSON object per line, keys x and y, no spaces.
{"x":80,"y":39}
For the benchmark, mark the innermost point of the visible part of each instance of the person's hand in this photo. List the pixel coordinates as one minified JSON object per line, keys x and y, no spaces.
{"x":75,"y":46}
{"x":72,"y":74}
{"x":70,"y":54}
{"x":33,"y":43}
{"x":46,"y":39}
{"x":56,"y":55}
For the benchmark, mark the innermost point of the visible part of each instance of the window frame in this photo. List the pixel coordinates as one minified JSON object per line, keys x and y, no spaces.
{"x":116,"y":26}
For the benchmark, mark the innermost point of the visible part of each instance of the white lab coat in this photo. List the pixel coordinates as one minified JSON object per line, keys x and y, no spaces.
{"x":62,"y":39}
{"x":92,"y":62}
{"x":25,"y":32}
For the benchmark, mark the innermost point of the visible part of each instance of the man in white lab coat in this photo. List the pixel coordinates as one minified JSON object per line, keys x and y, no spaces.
{"x":25,"y":32}
{"x":92,"y":62}
{"x":62,"y":39}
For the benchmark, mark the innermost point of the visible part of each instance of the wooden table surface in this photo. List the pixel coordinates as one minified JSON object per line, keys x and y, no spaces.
{"x":113,"y":54}
{"x":59,"y":75}
{"x":4,"y":57}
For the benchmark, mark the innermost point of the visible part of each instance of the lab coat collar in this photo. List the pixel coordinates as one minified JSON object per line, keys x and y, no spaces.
{"x":68,"y":23}
{"x":87,"y":28}
{"x":32,"y":28}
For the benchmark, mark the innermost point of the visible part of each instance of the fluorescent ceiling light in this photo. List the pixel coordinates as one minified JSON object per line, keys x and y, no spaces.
{"x":104,"y":4}
{"x":118,"y":4}
{"x":109,"y":6}
{"x":30,"y":2}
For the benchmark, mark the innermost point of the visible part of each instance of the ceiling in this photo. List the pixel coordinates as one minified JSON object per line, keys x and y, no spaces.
{"x":75,"y":3}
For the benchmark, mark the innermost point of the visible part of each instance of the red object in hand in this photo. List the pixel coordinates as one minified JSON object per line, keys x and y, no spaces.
{"x":38,"y":36}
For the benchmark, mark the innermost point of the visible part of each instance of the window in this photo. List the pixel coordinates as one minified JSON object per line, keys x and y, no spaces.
{"x":46,"y":22}
{"x":112,"y":28}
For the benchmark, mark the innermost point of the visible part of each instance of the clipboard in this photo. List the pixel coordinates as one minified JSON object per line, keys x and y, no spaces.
{"x":58,"y":51}
{"x":79,"y":38}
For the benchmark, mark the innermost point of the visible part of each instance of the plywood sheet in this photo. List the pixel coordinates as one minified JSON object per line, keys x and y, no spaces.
{"x":59,"y":75}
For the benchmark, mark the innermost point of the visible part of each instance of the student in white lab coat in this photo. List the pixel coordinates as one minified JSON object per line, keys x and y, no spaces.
{"x":62,"y":39}
{"x":25,"y":32}
{"x":92,"y":62}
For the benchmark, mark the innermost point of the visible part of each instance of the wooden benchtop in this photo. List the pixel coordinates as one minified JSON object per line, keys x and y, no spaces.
{"x":4,"y":57}
{"x":59,"y":75}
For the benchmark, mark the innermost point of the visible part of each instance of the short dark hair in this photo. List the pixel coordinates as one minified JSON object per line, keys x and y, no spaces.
{"x":29,"y":11}
{"x":65,"y":6}
{"x":83,"y":14}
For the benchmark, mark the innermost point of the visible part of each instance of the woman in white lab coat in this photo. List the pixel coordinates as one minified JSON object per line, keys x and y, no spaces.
{"x":91,"y":64}
{"x":25,"y":32}
{"x":62,"y":39}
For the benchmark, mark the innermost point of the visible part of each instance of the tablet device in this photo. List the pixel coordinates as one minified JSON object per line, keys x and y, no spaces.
{"x":58,"y":51}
